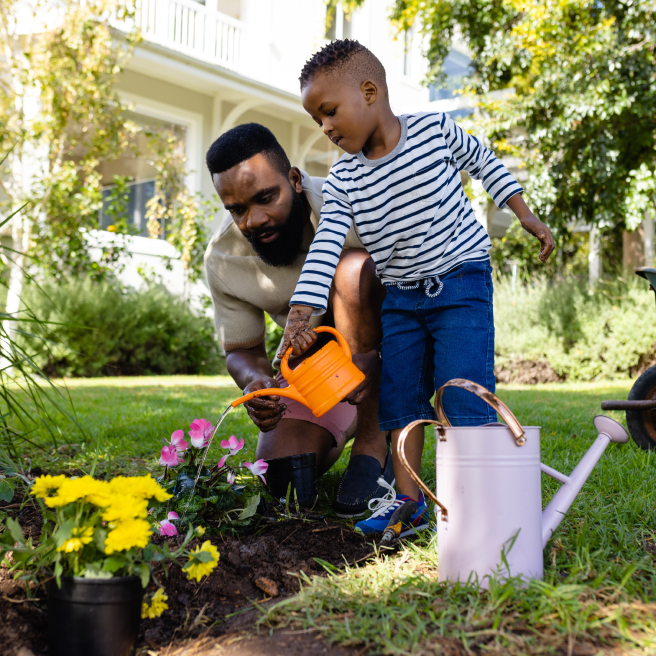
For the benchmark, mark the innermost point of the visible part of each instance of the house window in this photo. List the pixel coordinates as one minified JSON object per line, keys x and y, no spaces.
{"x":457,"y":67}
{"x":134,"y":210}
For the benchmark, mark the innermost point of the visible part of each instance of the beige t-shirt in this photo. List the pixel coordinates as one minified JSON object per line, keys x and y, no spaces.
{"x":243,"y":287}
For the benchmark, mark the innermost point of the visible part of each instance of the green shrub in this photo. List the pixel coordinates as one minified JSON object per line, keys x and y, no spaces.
{"x":100,"y":329}
{"x":582,"y":334}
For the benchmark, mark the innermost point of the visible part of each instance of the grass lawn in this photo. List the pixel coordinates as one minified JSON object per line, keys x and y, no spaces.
{"x":599,"y":586}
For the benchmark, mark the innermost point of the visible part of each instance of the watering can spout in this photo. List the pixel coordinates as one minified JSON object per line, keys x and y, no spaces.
{"x":609,"y":431}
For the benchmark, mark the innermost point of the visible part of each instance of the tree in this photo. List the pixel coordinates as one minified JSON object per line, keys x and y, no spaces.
{"x":584,"y":80}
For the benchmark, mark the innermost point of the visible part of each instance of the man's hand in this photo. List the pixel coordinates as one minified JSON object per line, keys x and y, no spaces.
{"x":369,"y":365}
{"x":298,"y":331}
{"x":265,"y":412}
{"x":533,"y":225}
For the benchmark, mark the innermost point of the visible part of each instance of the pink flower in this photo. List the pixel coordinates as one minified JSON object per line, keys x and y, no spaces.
{"x":173,"y":515}
{"x":178,"y":441}
{"x":233,"y":444}
{"x":166,"y":528}
{"x":231,"y":477}
{"x":170,"y":457}
{"x":200,"y":432}
{"x":257,"y":468}
{"x":222,"y":461}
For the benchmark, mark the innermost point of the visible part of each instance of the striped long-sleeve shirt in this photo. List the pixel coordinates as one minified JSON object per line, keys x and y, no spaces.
{"x":409,"y":207}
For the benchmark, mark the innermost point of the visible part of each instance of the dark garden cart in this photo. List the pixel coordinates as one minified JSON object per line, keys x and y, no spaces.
{"x":640,"y":407}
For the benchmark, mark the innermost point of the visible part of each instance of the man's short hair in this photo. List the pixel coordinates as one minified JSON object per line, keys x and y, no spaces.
{"x":350,"y":59}
{"x":242,"y":143}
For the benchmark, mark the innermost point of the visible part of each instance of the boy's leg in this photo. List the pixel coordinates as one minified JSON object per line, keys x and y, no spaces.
{"x":414,"y":447}
{"x":461,"y":322}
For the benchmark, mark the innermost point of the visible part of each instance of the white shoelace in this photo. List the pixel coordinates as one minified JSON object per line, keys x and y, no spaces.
{"x":380,"y":505}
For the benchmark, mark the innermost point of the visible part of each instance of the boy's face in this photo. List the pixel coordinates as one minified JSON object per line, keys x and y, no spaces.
{"x":343,"y":110}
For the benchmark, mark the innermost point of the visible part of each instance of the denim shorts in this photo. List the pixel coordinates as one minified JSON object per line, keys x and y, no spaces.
{"x":430,"y":338}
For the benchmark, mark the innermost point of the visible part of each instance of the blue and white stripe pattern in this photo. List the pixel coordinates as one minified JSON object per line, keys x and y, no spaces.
{"x":409,"y":207}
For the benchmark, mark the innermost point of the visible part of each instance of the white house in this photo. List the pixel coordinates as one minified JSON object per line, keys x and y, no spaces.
{"x":208,"y":67}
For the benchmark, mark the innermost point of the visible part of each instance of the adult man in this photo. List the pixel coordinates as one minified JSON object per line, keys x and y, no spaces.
{"x":253,"y":263}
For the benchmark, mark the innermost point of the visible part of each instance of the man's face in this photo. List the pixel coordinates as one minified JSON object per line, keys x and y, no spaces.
{"x":344,"y":111}
{"x":267,"y":207}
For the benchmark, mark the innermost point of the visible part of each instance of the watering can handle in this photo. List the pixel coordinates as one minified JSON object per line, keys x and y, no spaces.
{"x":415,"y":477}
{"x":489,"y":398}
{"x":284,"y":363}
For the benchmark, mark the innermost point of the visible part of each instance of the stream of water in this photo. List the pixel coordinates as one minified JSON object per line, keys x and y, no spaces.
{"x":226,"y":412}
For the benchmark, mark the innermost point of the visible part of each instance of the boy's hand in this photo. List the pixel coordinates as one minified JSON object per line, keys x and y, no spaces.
{"x":298,"y":331}
{"x":533,"y":225}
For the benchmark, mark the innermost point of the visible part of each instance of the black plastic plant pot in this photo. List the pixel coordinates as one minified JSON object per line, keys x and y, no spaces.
{"x":300,"y":471}
{"x":98,"y":617}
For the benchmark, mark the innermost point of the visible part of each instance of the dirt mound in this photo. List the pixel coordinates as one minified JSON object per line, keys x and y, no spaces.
{"x":251,"y":569}
{"x":527,"y":372}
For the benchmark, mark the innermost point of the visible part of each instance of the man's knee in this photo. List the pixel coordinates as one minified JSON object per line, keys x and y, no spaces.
{"x":355,"y":279}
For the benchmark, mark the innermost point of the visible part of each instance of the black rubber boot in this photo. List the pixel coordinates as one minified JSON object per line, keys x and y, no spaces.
{"x":360,"y":484}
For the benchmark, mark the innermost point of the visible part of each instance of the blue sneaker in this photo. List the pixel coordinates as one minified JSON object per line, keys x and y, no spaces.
{"x":384,"y":508}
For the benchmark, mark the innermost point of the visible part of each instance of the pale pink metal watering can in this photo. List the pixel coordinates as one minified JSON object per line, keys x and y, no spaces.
{"x":489,"y":486}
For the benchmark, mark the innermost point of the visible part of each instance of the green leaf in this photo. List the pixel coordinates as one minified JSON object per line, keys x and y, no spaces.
{"x":99,"y":537}
{"x":94,"y":571}
{"x":2,"y":515}
{"x":15,"y":530}
{"x":6,"y":490}
{"x":251,"y":507}
{"x":113,"y":564}
{"x":202,"y":557}
{"x":144,"y":570}
{"x":65,"y":532}
{"x":58,"y":572}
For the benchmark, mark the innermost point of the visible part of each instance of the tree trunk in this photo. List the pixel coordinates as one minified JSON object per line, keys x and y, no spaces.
{"x":633,"y":249}
{"x":594,"y":259}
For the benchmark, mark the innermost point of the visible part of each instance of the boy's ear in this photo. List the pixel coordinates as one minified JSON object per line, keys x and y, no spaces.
{"x":369,"y":91}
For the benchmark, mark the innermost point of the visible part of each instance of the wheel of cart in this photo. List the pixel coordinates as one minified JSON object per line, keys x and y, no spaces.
{"x":640,"y":407}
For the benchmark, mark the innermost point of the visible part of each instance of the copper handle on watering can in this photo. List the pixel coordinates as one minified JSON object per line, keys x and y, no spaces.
{"x":288,"y":373}
{"x":480,"y":391}
{"x":489,"y":398}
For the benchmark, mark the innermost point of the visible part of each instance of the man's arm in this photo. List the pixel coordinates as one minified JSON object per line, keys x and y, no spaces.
{"x":251,"y":370}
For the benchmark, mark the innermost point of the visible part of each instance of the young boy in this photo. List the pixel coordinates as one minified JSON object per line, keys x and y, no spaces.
{"x":400,"y":183}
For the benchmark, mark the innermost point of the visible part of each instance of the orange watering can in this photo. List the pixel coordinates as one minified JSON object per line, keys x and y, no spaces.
{"x":321,"y":381}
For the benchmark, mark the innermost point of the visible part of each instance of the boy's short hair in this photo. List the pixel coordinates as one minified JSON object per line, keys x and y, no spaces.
{"x":243,"y":142}
{"x":348,"y":57}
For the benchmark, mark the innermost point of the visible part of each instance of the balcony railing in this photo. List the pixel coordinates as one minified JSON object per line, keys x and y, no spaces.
{"x":191,"y":28}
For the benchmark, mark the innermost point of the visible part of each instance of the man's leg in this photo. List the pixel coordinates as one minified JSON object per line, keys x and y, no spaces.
{"x":355,"y":300}
{"x":291,"y":437}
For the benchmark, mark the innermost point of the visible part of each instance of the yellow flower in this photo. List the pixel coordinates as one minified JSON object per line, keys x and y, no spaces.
{"x":127,"y":534}
{"x":76,"y":489}
{"x":197,"y":568}
{"x":45,"y":484}
{"x":200,"y":531}
{"x":111,"y":228}
{"x":81,"y":536}
{"x":144,"y":487}
{"x":125,"y":506}
{"x":157,"y":606}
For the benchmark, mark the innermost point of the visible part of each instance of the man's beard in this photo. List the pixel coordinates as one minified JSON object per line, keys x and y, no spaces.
{"x":284,"y":250}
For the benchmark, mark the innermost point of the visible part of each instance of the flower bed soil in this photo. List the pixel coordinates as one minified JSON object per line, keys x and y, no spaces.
{"x":252,"y":569}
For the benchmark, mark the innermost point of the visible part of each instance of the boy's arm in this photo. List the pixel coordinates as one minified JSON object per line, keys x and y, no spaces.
{"x":482,"y":164}
{"x":313,"y":287}
{"x":532,"y":224}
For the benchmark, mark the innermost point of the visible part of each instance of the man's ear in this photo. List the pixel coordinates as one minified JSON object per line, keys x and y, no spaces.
{"x":369,"y":91}
{"x":296,"y":179}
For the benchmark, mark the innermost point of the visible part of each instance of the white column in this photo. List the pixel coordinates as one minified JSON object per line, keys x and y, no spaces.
{"x":594,"y":259}
{"x":216,"y":118}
